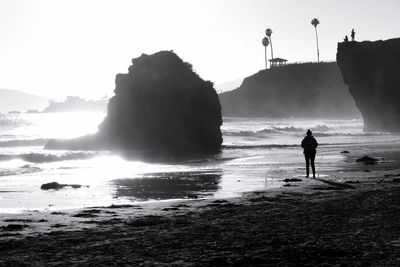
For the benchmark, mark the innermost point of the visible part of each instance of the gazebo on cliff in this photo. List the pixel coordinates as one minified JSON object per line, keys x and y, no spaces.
{"x":277,"y":62}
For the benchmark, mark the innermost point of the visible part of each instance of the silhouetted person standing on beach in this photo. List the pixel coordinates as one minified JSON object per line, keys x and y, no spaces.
{"x":353,"y":35}
{"x":309,"y":144}
{"x":346,"y":39}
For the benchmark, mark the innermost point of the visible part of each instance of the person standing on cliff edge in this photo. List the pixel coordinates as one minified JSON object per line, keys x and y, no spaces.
{"x":353,"y":35}
{"x":309,"y":144}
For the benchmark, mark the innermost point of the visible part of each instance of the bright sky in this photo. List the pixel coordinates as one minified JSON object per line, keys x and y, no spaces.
{"x":56,"y":48}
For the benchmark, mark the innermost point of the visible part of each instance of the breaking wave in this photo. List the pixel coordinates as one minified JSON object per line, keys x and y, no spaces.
{"x":276,"y":130}
{"x":18,"y":143}
{"x":43,"y":158}
{"x":18,"y":171}
{"x":319,"y":128}
{"x":257,"y":146}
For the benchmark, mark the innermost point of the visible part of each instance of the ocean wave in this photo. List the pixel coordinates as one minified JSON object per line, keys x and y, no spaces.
{"x":258,"y":146}
{"x":278,"y":129}
{"x":18,"y":171}
{"x":319,"y":128}
{"x":239,"y":133}
{"x":349,"y":134}
{"x":18,"y":143}
{"x":249,"y":133}
{"x":43,"y":158}
{"x":266,"y":130}
{"x":11,"y":120}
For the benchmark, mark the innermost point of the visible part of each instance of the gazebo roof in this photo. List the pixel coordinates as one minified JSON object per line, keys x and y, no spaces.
{"x":277,"y":59}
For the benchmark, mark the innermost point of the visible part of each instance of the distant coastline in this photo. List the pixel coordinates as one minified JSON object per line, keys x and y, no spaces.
{"x":74,"y":103}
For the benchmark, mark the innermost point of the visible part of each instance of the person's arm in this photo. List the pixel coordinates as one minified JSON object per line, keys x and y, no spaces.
{"x":316,"y":143}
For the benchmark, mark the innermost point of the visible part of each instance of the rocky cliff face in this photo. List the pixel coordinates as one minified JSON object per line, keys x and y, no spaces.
{"x":314,"y":90}
{"x":372,"y":72}
{"x":162,"y":105}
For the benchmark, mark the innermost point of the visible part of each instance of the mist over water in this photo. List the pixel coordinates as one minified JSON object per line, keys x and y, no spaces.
{"x":256,"y":154}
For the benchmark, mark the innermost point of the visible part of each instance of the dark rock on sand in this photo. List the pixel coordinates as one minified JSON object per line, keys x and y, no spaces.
{"x":170,"y":209}
{"x":352,"y":182}
{"x":58,"y":225}
{"x":344,"y":152}
{"x":85,"y":215}
{"x":367,"y":160}
{"x":288,"y":180}
{"x":56,"y":186}
{"x":13,"y":227}
{"x":58,"y":213}
{"x":160,"y":105}
{"x":147,"y":221}
{"x":372,"y":72}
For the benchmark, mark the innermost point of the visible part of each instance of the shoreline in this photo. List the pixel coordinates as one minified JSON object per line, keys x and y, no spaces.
{"x":347,"y":216}
{"x":312,"y":224}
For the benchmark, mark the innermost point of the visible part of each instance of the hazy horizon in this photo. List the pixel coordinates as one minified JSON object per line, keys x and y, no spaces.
{"x":60,"y":48}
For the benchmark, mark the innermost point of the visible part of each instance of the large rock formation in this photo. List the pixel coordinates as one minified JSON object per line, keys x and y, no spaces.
{"x":313,"y":90}
{"x":372,"y":71}
{"x":161,"y":104}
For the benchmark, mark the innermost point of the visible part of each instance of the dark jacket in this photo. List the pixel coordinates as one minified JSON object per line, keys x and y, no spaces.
{"x":309,"y":144}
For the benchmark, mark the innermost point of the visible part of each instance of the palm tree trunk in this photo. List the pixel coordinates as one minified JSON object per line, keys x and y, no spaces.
{"x":272,"y":51}
{"x":266,"y":61}
{"x":316,"y":35}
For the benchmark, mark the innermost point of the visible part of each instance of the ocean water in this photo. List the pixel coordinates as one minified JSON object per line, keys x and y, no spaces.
{"x":257,"y":154}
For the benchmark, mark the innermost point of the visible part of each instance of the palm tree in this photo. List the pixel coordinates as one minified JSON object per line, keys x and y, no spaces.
{"x":268,"y":32}
{"x":315,"y":22}
{"x":265,"y":43}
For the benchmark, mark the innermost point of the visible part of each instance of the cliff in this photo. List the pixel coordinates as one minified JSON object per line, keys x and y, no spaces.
{"x":372,"y":72}
{"x":313,"y":90}
{"x":159,"y":105}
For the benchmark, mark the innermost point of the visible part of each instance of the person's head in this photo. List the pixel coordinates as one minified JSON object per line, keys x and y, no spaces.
{"x":309,"y":133}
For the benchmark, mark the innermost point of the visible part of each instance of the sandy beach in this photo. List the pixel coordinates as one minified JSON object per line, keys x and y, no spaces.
{"x":347,"y":216}
{"x":315,"y":223}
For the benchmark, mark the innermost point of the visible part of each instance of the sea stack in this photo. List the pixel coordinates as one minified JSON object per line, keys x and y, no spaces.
{"x":372,"y":72}
{"x":161,"y":104}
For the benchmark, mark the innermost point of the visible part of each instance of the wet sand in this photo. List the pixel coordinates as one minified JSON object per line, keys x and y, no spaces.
{"x":314,"y":224}
{"x":349,"y":218}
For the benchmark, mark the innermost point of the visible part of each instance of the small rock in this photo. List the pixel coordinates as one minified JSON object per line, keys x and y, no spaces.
{"x":58,"y":225}
{"x":56,"y":186}
{"x":171,"y":208}
{"x":287,"y":180}
{"x":344,"y":152}
{"x":57,"y":213}
{"x":367,"y":160}
{"x":352,"y":182}
{"x":84,"y":215}
{"x":14,"y":227}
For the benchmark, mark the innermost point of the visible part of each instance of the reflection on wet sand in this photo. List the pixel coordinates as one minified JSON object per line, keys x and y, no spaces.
{"x":171,"y":185}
